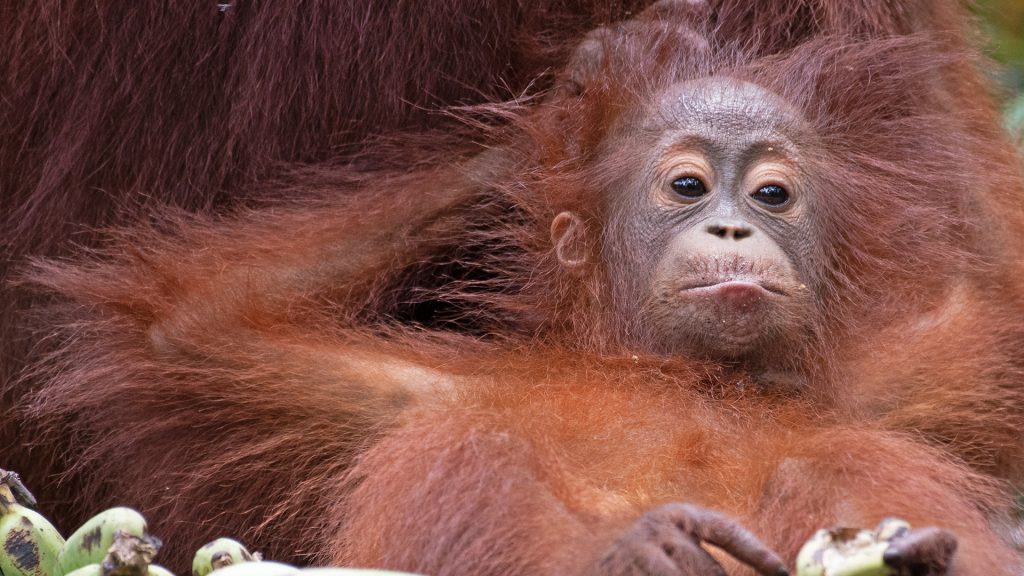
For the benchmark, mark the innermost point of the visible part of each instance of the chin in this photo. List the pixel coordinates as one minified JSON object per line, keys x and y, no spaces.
{"x":760,"y":332}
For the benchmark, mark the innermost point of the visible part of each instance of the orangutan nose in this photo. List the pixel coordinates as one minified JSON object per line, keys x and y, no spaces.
{"x":730,"y":229}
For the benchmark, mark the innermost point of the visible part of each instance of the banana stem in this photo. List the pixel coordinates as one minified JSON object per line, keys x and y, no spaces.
{"x":13,"y":491}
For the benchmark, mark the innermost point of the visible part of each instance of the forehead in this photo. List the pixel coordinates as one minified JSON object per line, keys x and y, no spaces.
{"x":726,"y":110}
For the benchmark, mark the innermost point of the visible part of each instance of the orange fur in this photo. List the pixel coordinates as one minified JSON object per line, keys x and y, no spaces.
{"x":559,"y":462}
{"x":395,"y":372}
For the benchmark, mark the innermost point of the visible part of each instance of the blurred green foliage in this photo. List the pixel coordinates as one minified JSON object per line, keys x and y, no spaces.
{"x":1003,"y":23}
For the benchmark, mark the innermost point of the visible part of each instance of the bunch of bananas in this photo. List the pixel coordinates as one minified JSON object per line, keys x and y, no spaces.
{"x":29,"y":544}
{"x":112,"y":543}
{"x":115,"y":542}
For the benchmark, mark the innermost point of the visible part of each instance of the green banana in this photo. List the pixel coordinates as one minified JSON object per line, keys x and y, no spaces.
{"x":87,"y":570}
{"x":29,"y":544}
{"x":257,"y":569}
{"x":90,"y":543}
{"x":97,"y":570}
{"x":218,"y":554}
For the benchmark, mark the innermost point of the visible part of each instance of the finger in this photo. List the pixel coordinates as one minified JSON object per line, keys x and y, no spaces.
{"x":929,"y":548}
{"x":690,"y":558}
{"x":656,"y":562}
{"x":725,"y":533}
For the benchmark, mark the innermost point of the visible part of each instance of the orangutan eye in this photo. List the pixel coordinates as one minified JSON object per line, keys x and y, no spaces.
{"x":772,"y":195}
{"x":689,"y":187}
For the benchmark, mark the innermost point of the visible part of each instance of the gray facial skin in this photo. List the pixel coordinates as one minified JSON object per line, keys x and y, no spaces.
{"x":711,"y":242}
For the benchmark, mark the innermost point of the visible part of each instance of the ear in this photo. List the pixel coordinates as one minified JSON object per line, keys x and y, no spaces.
{"x":568,"y":234}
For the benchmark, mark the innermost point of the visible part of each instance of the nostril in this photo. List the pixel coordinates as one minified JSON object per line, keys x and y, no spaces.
{"x":727,"y":230}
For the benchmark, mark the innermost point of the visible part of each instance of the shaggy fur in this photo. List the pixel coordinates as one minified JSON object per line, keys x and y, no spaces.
{"x":395,"y":372}
{"x":109,"y":110}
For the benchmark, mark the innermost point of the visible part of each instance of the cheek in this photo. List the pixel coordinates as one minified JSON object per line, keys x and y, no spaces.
{"x":630,"y":280}
{"x":632,"y":251}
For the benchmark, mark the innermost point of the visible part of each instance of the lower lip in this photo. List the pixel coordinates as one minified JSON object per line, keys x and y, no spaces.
{"x":733,"y":288}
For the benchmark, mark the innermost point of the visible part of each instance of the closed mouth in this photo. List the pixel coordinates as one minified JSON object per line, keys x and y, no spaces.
{"x":734,"y":283}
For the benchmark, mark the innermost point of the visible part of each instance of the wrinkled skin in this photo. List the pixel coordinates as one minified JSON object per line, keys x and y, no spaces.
{"x":712,"y":235}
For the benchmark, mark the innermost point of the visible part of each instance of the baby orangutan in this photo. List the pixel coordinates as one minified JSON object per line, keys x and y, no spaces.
{"x":698,"y":301}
